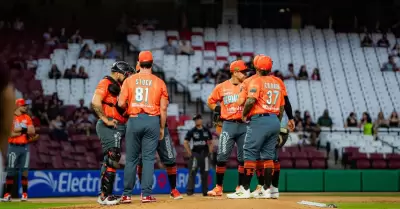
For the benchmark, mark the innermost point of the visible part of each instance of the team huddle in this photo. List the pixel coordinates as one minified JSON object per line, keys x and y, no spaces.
{"x":132,"y":102}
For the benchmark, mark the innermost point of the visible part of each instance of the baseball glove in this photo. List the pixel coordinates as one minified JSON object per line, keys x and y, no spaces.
{"x":33,"y":138}
{"x":283,"y":137}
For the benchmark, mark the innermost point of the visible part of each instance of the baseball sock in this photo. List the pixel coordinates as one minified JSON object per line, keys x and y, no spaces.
{"x":9,"y":184}
{"x":241,"y":173}
{"x":171,"y":171}
{"x":220,"y":170}
{"x":139,"y":172}
{"x":24,"y":183}
{"x":249,"y":167}
{"x":260,"y":172}
{"x":275,"y":176}
{"x":268,"y":172}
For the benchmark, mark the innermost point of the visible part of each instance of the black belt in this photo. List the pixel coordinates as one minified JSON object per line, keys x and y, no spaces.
{"x":234,"y":121}
{"x":19,"y":145}
{"x":262,"y":115}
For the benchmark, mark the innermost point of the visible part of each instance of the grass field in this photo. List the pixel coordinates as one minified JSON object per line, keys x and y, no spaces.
{"x":287,"y":200}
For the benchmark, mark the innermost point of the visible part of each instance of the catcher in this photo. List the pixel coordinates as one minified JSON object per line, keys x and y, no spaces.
{"x":23,"y":133}
{"x":233,"y":128}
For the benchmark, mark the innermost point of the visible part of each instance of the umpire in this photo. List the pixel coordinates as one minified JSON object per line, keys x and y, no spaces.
{"x":202,"y":148}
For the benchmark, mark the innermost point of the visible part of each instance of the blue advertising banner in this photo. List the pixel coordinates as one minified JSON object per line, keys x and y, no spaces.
{"x":69,"y":183}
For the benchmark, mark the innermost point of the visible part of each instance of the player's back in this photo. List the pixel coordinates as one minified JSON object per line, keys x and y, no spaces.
{"x":145,"y":93}
{"x":269,"y":97}
{"x":281,"y":83}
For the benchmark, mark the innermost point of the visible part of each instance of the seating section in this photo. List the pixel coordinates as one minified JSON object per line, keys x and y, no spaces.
{"x":347,"y":70}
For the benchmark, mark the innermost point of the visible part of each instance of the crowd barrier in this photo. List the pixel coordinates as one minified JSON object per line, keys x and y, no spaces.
{"x":295,"y":180}
{"x":73,"y":183}
{"x":70,"y":183}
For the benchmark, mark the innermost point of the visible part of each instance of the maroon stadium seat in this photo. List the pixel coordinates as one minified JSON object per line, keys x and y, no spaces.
{"x":54,"y":145}
{"x":302,"y":163}
{"x":57,"y":162}
{"x":393,"y":156}
{"x":68,"y":147}
{"x":317,"y":155}
{"x":376,"y":156}
{"x":394,"y":164}
{"x":70,"y":164}
{"x":358,"y":156}
{"x":308,"y":149}
{"x":363,"y":164}
{"x":79,"y":149}
{"x":317,"y":163}
{"x":379,"y":164}
{"x":299,"y":155}
{"x":351,"y":149}
{"x":291,"y":149}
{"x":286,"y":163}
{"x":284,"y":155}
{"x":180,"y":162}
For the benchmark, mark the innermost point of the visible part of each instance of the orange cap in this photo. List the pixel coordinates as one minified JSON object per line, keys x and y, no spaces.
{"x":264,"y":63}
{"x":238,"y":66}
{"x":145,"y":56}
{"x":256,"y":59}
{"x":20,"y":102}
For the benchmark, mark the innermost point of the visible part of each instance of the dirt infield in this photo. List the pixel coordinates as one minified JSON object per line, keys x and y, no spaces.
{"x":198,"y":202}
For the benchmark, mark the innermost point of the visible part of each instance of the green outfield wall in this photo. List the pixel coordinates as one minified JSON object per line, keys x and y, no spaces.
{"x":295,"y":180}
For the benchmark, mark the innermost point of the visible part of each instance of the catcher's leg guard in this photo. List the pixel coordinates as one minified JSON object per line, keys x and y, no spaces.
{"x":111,"y":160}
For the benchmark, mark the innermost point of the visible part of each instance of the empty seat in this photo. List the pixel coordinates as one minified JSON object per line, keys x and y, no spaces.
{"x":284,"y":155}
{"x":319,"y":164}
{"x":394,"y":164}
{"x":376,"y":156}
{"x":379,"y":164}
{"x":299,"y":155}
{"x":363,"y":164}
{"x":302,"y":164}
{"x":286,"y":163}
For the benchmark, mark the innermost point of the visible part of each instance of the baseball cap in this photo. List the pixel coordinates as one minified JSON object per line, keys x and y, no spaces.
{"x":145,"y":56}
{"x":197,"y":116}
{"x":264,"y":63}
{"x":238,"y":66}
{"x":22,"y":102}
{"x":256,"y":58}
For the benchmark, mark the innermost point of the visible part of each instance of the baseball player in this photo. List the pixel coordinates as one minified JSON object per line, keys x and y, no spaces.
{"x":146,"y":98}
{"x":110,"y":127}
{"x":7,"y":107}
{"x":23,"y":132}
{"x":233,"y":128}
{"x":263,"y":105}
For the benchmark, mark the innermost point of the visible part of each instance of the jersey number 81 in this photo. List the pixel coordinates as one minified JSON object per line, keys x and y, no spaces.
{"x":141,"y":94}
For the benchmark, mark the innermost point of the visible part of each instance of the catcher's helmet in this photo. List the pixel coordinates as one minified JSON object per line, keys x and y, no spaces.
{"x":123,"y":68}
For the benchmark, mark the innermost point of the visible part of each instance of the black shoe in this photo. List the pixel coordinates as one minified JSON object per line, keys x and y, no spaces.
{"x":189,"y":193}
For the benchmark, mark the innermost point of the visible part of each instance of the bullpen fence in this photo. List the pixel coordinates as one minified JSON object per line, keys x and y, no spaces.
{"x":70,"y":183}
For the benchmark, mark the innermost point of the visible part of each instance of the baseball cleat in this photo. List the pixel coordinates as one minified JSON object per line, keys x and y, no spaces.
{"x":241,"y":194}
{"x":125,"y":199}
{"x":265,"y":194}
{"x":217,"y":191}
{"x":6,"y":198}
{"x":237,"y":188}
{"x":148,"y":199}
{"x":274,"y":192}
{"x":24,"y":197}
{"x":257,"y":192}
{"x":176,"y":195}
{"x":110,"y":200}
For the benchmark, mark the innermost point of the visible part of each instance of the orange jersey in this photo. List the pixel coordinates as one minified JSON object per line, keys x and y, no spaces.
{"x":244,"y":86}
{"x":20,"y":121}
{"x":143,"y":93}
{"x":227,"y":94}
{"x":109,"y":101}
{"x":283,"y":87}
{"x":269,"y":95}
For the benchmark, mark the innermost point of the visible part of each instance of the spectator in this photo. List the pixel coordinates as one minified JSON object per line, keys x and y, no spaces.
{"x":110,"y":52}
{"x":76,"y":38}
{"x":83,"y":124}
{"x":306,"y":115}
{"x":390,"y":65}
{"x":303,"y":74}
{"x":86,"y":52}
{"x":297,"y":117}
{"x":18,"y":25}
{"x":54,"y":72}
{"x":209,"y":77}
{"x":396,"y":50}
{"x":170,"y":49}
{"x":381,"y":122}
{"x":311,"y":128}
{"x":351,"y":121}
{"x":82,"y":108}
{"x":325,"y":120}
{"x":383,"y":42}
{"x":366,"y":123}
{"x":49,"y":39}
{"x":197,"y":76}
{"x":239,"y":57}
{"x":367,"y":41}
{"x":40,"y":108}
{"x":54,"y":106}
{"x":290,"y":74}
{"x":315,"y":75}
{"x":31,"y":64}
{"x":57,"y":128}
{"x":186,"y":49}
{"x":278,"y":74}
{"x":98,"y":55}
{"x":62,"y":39}
{"x":81,"y":73}
{"x":71,"y":73}
{"x":222,"y":74}
{"x":394,"y":120}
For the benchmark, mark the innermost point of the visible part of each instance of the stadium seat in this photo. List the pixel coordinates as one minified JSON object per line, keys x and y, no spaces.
{"x":301,"y":163}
